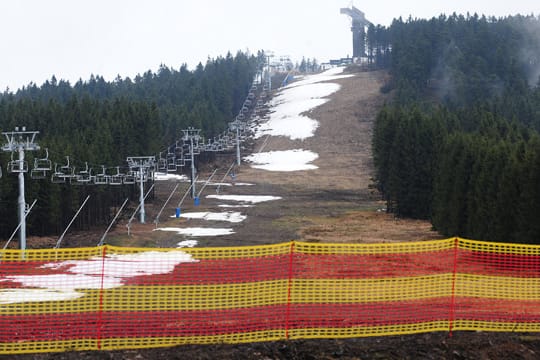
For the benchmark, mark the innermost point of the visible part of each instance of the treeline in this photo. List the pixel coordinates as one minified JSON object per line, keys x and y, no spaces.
{"x":101,"y":123}
{"x":460,"y":143}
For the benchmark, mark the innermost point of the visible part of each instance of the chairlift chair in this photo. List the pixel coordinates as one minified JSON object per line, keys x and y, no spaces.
{"x":171,"y":162}
{"x":43,"y":164}
{"x":180,"y":161}
{"x":84,"y":176}
{"x":102,"y":178}
{"x":129,"y":178}
{"x":57,"y":176}
{"x":17,"y":166}
{"x":196,"y":148}
{"x":116,"y":179}
{"x":217,"y":146}
{"x":37,"y":174}
{"x":162,"y":163}
{"x":67,"y":170}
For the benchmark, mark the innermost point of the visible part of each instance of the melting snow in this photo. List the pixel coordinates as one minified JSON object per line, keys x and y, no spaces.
{"x":233,"y":217}
{"x":86,"y":274}
{"x":254,"y":199}
{"x":229,"y":184}
{"x":328,"y":75}
{"x":288,"y":160}
{"x":198,"y":231}
{"x":295,"y":99}
{"x":159,"y":176}
{"x":187,"y":243}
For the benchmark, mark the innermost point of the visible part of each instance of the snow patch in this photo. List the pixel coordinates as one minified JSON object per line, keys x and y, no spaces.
{"x":230,"y":216}
{"x":159,"y":176}
{"x":254,"y":199}
{"x":198,"y":231}
{"x":288,"y":160}
{"x":87,"y":274}
{"x":285,"y":117}
{"x":187,"y":243}
{"x":328,"y":75}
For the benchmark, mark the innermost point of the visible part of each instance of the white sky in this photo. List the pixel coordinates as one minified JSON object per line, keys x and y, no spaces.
{"x":75,"y":38}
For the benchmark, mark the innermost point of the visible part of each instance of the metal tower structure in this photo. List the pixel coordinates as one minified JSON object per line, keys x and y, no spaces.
{"x":192,"y":135}
{"x":358,"y":28}
{"x":140,"y":165}
{"x":237,"y":126}
{"x":20,"y":141}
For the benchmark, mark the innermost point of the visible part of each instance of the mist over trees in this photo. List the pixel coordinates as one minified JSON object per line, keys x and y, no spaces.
{"x":101,"y":123}
{"x":459,"y":144}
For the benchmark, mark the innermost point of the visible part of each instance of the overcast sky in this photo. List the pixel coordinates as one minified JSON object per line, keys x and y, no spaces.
{"x":73,"y":39}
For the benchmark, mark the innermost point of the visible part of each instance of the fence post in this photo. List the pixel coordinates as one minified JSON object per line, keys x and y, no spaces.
{"x":289,"y":286}
{"x":100,"y":313}
{"x":453,"y":298}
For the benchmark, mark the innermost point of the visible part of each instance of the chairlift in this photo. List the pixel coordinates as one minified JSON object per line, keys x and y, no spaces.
{"x":196,"y":148}
{"x":180,"y":161}
{"x":162,"y":163}
{"x":129,"y":178}
{"x":67,"y":170}
{"x":102,"y":178}
{"x":57,"y":176}
{"x":43,"y":164}
{"x":17,"y":166}
{"x":37,"y":174}
{"x":116,"y":179}
{"x":84,"y":176}
{"x":217,"y":146}
{"x":171,"y":162}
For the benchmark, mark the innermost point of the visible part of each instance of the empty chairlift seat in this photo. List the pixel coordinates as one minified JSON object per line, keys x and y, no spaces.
{"x":84,"y":176}
{"x":102,"y":178}
{"x":117,"y":178}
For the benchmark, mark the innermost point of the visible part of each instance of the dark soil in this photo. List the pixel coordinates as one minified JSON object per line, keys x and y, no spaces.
{"x":433,"y":346}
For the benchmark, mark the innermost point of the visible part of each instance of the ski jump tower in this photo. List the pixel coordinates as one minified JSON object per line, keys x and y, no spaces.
{"x":358,"y":28}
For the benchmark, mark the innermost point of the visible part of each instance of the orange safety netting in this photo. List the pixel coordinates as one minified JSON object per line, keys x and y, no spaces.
{"x":116,"y":298}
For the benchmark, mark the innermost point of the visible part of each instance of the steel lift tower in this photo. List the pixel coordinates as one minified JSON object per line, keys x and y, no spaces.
{"x":358,"y":28}
{"x":141,"y":165}
{"x":19,"y":141}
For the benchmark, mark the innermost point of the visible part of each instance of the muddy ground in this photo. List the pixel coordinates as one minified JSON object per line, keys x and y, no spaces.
{"x":334,"y":203}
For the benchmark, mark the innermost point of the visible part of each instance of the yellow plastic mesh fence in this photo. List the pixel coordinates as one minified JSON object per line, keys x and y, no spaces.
{"x":115,"y":298}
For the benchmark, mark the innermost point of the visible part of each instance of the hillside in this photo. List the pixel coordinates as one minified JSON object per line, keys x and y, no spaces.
{"x":332,"y":203}
{"x":332,"y":200}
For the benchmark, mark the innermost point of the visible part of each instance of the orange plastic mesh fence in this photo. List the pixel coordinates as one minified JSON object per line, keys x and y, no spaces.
{"x":116,"y":298}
